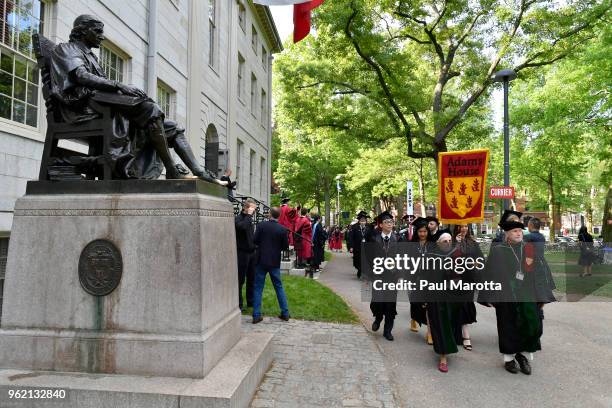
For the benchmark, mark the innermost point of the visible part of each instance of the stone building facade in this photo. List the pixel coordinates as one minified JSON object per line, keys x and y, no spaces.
{"x":207,"y":62}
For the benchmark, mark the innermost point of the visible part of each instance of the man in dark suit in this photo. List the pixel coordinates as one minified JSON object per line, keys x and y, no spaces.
{"x":246,"y":251}
{"x":271,"y":239}
{"x":384,"y":302}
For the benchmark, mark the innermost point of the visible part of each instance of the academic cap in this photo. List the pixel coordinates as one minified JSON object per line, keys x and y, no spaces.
{"x":362,"y":214}
{"x":431,"y":218}
{"x":508,"y":213}
{"x":510,"y":225}
{"x":419,"y":223}
{"x":385,"y":215}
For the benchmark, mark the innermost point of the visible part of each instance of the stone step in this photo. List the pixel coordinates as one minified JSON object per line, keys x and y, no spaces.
{"x":231,"y":383}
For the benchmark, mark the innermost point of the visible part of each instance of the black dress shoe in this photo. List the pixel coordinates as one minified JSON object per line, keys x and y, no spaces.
{"x":283,"y":317}
{"x":257,"y":319}
{"x":376,"y":325}
{"x":511,"y":367}
{"x":523,"y":363}
{"x":388,"y":336}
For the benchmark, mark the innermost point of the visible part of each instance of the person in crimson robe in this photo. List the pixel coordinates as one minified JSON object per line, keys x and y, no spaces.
{"x":332,"y":239}
{"x":339,"y":236}
{"x":303,"y":244}
{"x":284,"y":218}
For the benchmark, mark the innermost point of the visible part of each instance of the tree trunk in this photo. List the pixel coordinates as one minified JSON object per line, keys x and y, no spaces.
{"x":551,"y":207}
{"x":589,"y":210}
{"x":326,"y":198}
{"x":606,"y":223}
{"x":422,"y":189}
{"x":318,"y":198}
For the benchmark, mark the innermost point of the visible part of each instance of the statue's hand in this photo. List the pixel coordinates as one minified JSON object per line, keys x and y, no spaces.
{"x":131,"y":90}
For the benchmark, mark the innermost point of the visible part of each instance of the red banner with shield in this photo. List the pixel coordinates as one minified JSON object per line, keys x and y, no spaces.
{"x":461,"y":186}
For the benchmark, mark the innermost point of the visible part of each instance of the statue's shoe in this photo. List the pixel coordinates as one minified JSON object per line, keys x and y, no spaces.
{"x":179,"y":172}
{"x":206,"y":176}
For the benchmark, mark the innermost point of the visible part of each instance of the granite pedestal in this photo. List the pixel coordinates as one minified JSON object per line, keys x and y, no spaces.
{"x":175,"y":310}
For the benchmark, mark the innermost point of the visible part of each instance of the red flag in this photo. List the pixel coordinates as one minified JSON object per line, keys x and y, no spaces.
{"x":301,"y":19}
{"x":461,"y":180}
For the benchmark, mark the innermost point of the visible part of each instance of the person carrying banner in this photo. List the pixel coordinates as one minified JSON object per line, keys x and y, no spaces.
{"x":420,"y":247}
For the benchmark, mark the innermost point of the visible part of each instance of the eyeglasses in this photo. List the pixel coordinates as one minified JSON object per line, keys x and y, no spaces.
{"x":388,"y":222}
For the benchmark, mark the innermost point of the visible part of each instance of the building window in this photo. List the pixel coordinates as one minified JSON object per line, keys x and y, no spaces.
{"x":239,"y":150}
{"x":264,"y":107}
{"x":242,"y":17}
{"x":254,"y":39}
{"x":241,"y":65}
{"x":264,"y":58}
{"x":112,"y":64}
{"x":212,"y":27}
{"x":262,"y":179}
{"x":166,"y":99}
{"x":253,"y":93}
{"x":252,"y":172}
{"x":3,"y":255}
{"x":19,"y":20}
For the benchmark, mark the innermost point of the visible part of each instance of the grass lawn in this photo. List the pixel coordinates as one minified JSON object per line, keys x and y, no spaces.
{"x":328,"y":256}
{"x":589,"y":285}
{"x":569,"y":257}
{"x":308,"y":300}
{"x":568,"y":280}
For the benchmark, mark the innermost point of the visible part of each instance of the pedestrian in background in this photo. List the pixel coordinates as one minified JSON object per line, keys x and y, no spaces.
{"x":246,"y":250}
{"x":271,"y":239}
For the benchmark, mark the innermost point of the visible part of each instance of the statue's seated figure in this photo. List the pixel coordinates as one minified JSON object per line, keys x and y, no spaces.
{"x":141,"y":135}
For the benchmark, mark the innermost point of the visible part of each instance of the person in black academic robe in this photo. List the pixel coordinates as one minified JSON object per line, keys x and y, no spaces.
{"x":358,"y":235}
{"x":525,"y":290}
{"x":443,"y":316}
{"x":384,"y":244}
{"x":420,"y":245}
{"x":319,"y":236}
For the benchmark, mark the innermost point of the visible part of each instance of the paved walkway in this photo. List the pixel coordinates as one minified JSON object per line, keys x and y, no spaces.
{"x":322,"y":365}
{"x":573,"y":369}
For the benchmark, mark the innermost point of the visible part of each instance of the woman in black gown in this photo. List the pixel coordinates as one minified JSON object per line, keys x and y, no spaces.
{"x":466,"y":247}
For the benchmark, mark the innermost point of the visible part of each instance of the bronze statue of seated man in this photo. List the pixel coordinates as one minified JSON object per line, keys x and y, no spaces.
{"x":141,"y":135}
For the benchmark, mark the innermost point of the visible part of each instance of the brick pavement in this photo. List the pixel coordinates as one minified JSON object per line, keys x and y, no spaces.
{"x":322,"y":365}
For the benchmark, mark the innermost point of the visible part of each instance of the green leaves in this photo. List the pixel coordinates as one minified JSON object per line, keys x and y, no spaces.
{"x":414,"y":76}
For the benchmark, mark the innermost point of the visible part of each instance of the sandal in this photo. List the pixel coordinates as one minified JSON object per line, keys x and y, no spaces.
{"x":414,"y":326}
{"x":468,"y":347}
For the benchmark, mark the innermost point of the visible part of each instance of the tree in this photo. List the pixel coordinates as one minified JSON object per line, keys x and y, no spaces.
{"x":424,"y":64}
{"x":562,"y":142}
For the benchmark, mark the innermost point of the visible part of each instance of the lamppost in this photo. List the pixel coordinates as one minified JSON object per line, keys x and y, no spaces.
{"x":338,"y":188}
{"x":505,"y":76}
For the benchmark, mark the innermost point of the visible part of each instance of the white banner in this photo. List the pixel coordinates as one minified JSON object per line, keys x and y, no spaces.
{"x":409,"y":203}
{"x":279,"y":2}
